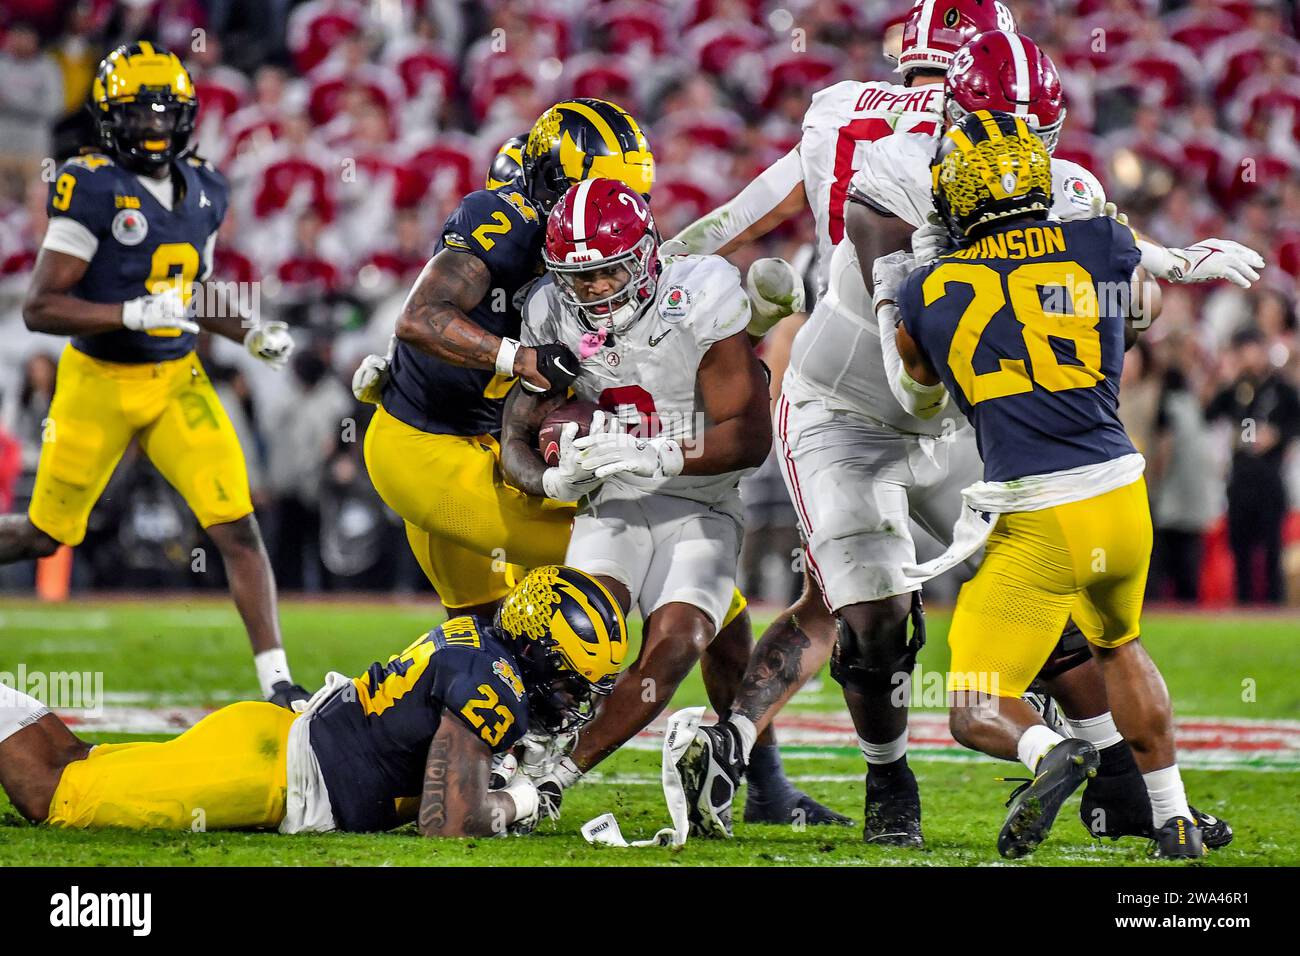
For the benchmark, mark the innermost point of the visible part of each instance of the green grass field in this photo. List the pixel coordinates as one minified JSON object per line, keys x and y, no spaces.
{"x":169,"y":653}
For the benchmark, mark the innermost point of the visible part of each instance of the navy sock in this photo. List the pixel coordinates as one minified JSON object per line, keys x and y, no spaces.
{"x":765,"y":773}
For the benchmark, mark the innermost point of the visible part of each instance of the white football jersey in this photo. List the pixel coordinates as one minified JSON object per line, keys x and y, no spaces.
{"x":841,"y":123}
{"x":836,"y":355}
{"x":647,"y":374}
{"x":895,"y":176}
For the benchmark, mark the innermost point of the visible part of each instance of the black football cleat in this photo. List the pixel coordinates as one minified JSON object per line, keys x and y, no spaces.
{"x":711,"y":769}
{"x":892,"y":813}
{"x":1179,"y":839}
{"x":791,"y":806}
{"x":1112,"y":807}
{"x":1035,"y":804}
{"x":289,"y":696}
{"x":1216,"y":833}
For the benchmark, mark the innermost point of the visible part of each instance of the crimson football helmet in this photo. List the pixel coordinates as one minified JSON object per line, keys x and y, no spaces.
{"x":1007,"y":72}
{"x":602,"y":229}
{"x":936,"y":29}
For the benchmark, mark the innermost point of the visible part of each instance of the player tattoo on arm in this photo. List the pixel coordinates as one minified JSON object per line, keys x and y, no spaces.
{"x":434,"y":317}
{"x":455,"y":800}
{"x":521,"y":418}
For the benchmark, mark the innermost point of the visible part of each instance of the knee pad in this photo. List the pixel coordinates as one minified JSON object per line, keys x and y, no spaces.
{"x":869,"y":662}
{"x":1070,"y":651}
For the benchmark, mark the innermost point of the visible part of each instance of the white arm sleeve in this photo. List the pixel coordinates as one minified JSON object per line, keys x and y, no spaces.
{"x":923,"y":401}
{"x":714,"y":230}
{"x":1160,"y":262}
{"x":70,"y":237}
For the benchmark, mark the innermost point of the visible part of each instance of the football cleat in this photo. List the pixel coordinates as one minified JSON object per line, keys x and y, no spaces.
{"x":892,"y":813}
{"x":1179,"y":839}
{"x":711,"y":770}
{"x":1114,"y":807}
{"x":289,"y":696}
{"x":791,"y":806}
{"x":1035,"y":804}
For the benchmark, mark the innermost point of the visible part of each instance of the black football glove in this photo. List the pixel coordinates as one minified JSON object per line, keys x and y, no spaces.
{"x":289,"y":696}
{"x":557,"y":364}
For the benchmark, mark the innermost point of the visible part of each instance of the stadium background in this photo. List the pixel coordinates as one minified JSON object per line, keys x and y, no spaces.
{"x":349,"y":130}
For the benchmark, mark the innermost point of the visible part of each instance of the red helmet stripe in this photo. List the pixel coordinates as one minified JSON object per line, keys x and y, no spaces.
{"x":1020,"y":60}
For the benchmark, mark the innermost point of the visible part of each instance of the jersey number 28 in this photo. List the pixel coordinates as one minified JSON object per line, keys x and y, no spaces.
{"x":1037,"y":327}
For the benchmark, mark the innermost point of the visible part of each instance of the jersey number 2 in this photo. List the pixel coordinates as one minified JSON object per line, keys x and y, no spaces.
{"x":1037,"y":327}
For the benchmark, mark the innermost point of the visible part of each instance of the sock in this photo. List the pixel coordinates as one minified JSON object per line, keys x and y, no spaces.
{"x":18,"y":710}
{"x":1034,"y":743}
{"x":272,"y":667}
{"x":1117,"y":761}
{"x":879,"y":755}
{"x":1168,"y":798}
{"x":1100,"y":731}
{"x":747,"y":732}
{"x":765,"y":773}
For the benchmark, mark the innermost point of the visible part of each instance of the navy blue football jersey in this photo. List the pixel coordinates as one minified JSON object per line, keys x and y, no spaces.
{"x":372,"y":738}
{"x":141,"y":243}
{"x":503,"y":229}
{"x":1025,"y":327}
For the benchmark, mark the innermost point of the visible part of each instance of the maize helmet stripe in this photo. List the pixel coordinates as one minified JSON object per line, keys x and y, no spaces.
{"x":599,"y":123}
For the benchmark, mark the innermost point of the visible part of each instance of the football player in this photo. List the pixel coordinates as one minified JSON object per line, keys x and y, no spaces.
{"x":413,"y":738}
{"x":121,"y":270}
{"x":432,"y":447}
{"x":663,"y":350}
{"x":839,"y":422}
{"x":1062,"y":481}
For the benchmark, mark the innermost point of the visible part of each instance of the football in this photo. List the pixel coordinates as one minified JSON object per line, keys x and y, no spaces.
{"x":548,"y":436}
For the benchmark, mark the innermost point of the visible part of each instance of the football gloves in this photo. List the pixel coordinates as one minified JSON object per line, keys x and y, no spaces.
{"x":369,"y":378}
{"x":887,"y":275}
{"x":165,"y":310}
{"x":557,"y":364}
{"x":931,"y":241}
{"x":570,"y":479}
{"x":271,"y":343}
{"x":1206,"y":261}
{"x":775,"y":290}
{"x":618,"y":453}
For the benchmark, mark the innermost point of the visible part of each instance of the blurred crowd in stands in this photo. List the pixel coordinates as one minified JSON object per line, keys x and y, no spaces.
{"x":349,"y":129}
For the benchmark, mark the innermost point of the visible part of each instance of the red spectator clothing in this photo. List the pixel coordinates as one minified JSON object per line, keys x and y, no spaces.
{"x":693,"y":12}
{"x":1263,"y":101}
{"x":1198,"y":30}
{"x":420,"y":65}
{"x":812,"y":70}
{"x":11,"y":468}
{"x":631,"y":26}
{"x":252,"y":127}
{"x":401,"y":267}
{"x":305,"y":274}
{"x":599,"y":76}
{"x":715,"y":47}
{"x":292,"y":177}
{"x":330,"y":82}
{"x":230,"y":265}
{"x":1165,"y":67}
{"x":451,"y":164}
{"x":1233,"y":61}
{"x":719,"y":129}
{"x":316,"y":27}
{"x":221,"y":90}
